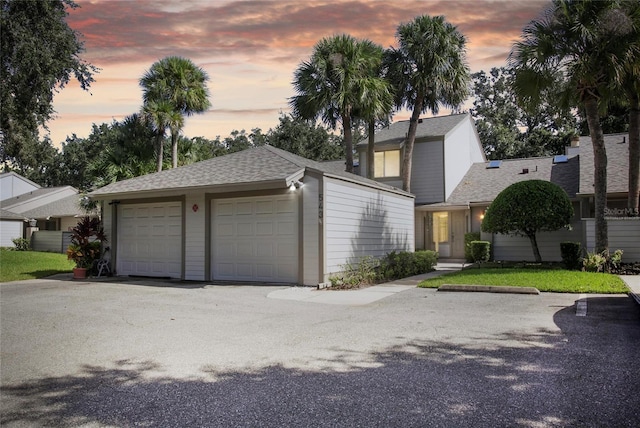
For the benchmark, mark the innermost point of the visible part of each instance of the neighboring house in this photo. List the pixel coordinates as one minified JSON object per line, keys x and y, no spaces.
{"x":54,"y":209}
{"x":623,"y":231}
{"x":445,"y":148}
{"x":13,"y":184}
{"x":261,"y":215}
{"x":454,"y":184}
{"x":11,"y":227}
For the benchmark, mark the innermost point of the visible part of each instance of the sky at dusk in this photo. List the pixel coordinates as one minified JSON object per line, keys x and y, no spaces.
{"x":250,"y":50}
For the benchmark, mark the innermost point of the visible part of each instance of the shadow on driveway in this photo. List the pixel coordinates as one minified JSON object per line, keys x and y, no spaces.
{"x":583,"y":376}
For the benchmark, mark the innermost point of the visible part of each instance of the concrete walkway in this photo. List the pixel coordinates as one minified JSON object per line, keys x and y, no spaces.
{"x":633,"y":282}
{"x":361,"y":296}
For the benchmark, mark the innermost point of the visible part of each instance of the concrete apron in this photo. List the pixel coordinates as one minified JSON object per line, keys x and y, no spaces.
{"x":360,"y":296}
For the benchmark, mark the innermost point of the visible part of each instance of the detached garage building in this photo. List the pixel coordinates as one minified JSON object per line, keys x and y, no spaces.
{"x":262,"y":215}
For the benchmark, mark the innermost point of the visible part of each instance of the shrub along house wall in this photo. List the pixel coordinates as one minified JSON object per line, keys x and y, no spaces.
{"x":624,"y":234}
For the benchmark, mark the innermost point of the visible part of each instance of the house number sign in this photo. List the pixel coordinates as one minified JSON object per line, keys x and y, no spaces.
{"x":195,"y":208}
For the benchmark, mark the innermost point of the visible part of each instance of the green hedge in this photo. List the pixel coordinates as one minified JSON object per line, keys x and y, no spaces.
{"x":480,"y":251}
{"x":571,"y":255}
{"x":403,"y":264}
{"x":468,"y":238}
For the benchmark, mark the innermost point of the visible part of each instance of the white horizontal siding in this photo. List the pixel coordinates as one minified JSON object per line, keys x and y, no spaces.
{"x":623,"y":233}
{"x":194,"y":242}
{"x":311,"y":231}
{"x":9,"y":230}
{"x":361,"y":221}
{"x":518,"y":248}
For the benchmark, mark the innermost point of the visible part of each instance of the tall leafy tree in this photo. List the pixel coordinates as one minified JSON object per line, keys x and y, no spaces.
{"x":428,"y":70}
{"x":506,"y":130}
{"x":576,"y":41}
{"x":335,"y":83}
{"x":126,"y":152}
{"x":177,"y":82}
{"x":305,"y":139}
{"x":40,"y":55}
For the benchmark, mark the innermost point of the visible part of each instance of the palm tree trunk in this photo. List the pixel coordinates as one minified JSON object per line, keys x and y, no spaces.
{"x":599,"y":172}
{"x":159,"y":152}
{"x":348,"y":140}
{"x":371,"y":150}
{"x":174,"y":149}
{"x":408,"y":147}
{"x":534,"y":246}
{"x":634,"y":155}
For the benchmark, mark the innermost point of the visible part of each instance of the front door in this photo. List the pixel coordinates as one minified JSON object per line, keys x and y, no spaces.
{"x":440,"y":233}
{"x":458,"y":229}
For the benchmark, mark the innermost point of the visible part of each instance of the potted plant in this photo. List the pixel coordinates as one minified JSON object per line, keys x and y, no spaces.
{"x":85,"y":248}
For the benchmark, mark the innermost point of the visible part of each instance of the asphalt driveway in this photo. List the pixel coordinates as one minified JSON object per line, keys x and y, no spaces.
{"x":169,"y":354}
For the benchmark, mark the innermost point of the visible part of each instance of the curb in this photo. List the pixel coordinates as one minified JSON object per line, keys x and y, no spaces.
{"x":489,"y":289}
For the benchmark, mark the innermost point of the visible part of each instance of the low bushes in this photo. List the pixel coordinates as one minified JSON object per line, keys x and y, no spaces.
{"x":480,"y":251}
{"x":21,"y":244}
{"x":394,"y":265}
{"x":468,"y":238}
{"x":571,"y":254}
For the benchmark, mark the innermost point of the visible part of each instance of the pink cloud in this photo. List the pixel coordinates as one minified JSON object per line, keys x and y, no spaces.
{"x":251,"y":48}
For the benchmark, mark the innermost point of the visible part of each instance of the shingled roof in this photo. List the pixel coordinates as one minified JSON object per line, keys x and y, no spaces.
{"x":482,"y":184}
{"x":264,"y":164}
{"x":431,"y":127}
{"x":8,"y":215}
{"x":65,"y":207}
{"x":617,"y":147}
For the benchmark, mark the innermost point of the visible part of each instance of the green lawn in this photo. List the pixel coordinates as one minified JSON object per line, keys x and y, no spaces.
{"x":553,"y":280}
{"x":19,"y":265}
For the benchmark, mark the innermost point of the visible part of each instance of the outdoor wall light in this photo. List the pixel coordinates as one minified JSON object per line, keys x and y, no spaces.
{"x":295,"y":185}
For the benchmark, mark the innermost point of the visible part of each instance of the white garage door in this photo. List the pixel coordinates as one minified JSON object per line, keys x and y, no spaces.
{"x":255,"y":239}
{"x":150,"y":239}
{"x":9,"y":230}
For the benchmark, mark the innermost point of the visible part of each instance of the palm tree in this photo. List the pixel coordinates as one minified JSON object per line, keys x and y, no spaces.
{"x":631,"y":87}
{"x":428,"y":70}
{"x":158,"y":114}
{"x":334,"y":83}
{"x":183,"y":85}
{"x":573,"y":42}
{"x":376,"y":103}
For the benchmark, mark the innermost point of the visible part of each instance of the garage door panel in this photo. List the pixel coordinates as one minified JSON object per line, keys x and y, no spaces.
{"x":244,"y":208}
{"x":249,"y":245}
{"x":264,"y":228}
{"x":245,"y":229}
{"x":150,"y":239}
{"x":264,"y":207}
{"x":286,"y":206}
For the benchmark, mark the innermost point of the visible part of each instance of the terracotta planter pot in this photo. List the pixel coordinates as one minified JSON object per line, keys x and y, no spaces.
{"x":79,"y":273}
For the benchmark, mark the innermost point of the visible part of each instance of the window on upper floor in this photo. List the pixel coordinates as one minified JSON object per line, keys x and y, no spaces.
{"x":387,"y":164}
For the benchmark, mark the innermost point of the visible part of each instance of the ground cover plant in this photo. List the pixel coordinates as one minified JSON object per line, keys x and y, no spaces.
{"x":20,"y":265}
{"x":544,"y":279}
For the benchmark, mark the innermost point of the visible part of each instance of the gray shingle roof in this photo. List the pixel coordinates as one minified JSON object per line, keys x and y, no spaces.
{"x":617,"y":163}
{"x":427,"y":128}
{"x":482,"y":184}
{"x":8,"y":215}
{"x":36,"y":193}
{"x":256,"y":165}
{"x":65,"y":207}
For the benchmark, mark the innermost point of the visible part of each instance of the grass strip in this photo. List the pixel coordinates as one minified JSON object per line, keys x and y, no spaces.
{"x":550,"y":280}
{"x":21,"y":265}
